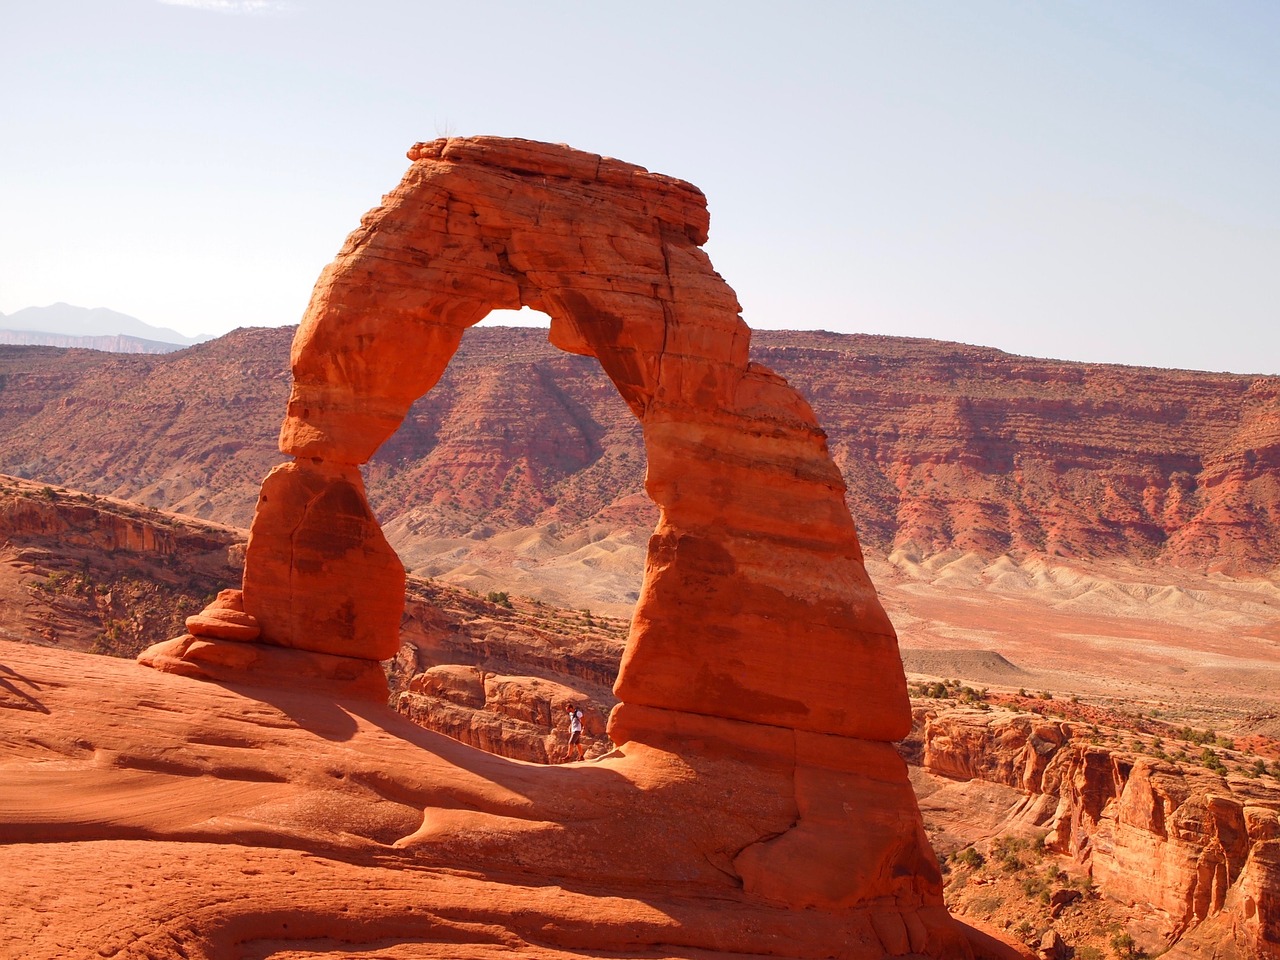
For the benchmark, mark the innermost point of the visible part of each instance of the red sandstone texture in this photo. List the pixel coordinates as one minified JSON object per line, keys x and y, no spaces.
{"x":225,"y":619}
{"x":753,"y":528}
{"x":517,"y":654}
{"x":758,"y":645}
{"x":257,"y":821}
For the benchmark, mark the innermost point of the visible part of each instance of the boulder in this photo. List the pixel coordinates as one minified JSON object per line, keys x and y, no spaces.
{"x":225,"y":619}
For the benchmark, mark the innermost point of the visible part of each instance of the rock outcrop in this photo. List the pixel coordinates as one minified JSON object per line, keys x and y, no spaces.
{"x":1194,"y":851}
{"x":511,"y":716}
{"x":754,"y":567}
{"x":759,"y":654}
{"x":94,"y":573}
{"x":158,"y":817}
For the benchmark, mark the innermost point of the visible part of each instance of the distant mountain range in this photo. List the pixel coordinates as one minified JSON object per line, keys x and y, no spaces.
{"x":525,"y":457}
{"x":64,"y":325}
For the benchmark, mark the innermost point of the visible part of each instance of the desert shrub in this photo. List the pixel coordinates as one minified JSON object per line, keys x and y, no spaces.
{"x":1008,"y":853}
{"x":1084,"y":885}
{"x":1209,"y":758}
{"x":970,"y":858}
{"x":500,"y":597}
{"x":985,"y":907}
{"x":1123,"y":945}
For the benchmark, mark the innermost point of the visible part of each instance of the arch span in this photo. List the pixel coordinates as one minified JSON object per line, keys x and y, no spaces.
{"x":755,"y":604}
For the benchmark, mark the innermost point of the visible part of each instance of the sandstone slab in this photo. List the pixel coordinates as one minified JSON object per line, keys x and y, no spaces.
{"x":253,"y":821}
{"x":225,"y":619}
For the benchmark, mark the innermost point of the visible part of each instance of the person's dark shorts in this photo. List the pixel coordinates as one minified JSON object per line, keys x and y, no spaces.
{"x":575,"y":737}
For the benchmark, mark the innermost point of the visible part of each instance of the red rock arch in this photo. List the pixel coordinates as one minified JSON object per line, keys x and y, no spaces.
{"x":755,"y":604}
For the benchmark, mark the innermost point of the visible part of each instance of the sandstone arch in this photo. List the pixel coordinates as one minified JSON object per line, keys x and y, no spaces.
{"x":755,"y":604}
{"x":761,"y":683}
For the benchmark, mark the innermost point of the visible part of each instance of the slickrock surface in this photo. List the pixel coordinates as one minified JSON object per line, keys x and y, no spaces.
{"x":256,"y":822}
{"x":499,"y":676}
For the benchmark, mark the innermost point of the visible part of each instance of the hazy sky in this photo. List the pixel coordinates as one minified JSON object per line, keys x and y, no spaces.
{"x":1081,"y":180}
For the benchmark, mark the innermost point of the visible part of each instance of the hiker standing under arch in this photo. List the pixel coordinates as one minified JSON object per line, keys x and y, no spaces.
{"x":575,"y":733}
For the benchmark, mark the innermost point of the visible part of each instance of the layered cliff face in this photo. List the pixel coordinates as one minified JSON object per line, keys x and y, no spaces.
{"x":943,"y":447}
{"x":991,"y":453}
{"x":94,"y":573}
{"x":1191,"y":848}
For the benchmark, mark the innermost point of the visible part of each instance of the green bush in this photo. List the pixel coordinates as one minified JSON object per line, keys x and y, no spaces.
{"x":1123,"y":945}
{"x":1209,"y":758}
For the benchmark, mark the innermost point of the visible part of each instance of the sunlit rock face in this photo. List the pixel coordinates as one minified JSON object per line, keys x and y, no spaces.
{"x":755,"y":604}
{"x":759,"y":663}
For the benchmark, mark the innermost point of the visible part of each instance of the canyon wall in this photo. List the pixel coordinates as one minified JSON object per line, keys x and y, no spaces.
{"x":1192,"y":850}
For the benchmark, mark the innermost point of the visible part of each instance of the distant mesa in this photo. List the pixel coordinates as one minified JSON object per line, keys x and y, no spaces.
{"x":64,"y":325}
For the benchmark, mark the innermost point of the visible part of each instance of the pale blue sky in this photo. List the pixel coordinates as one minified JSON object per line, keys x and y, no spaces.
{"x":1090,"y":181}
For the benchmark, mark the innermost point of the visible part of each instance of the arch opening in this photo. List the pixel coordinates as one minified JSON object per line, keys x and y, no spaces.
{"x":524,"y":317}
{"x":515,"y":473}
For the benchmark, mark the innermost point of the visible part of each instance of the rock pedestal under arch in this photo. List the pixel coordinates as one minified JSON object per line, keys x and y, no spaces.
{"x":757,"y":635}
